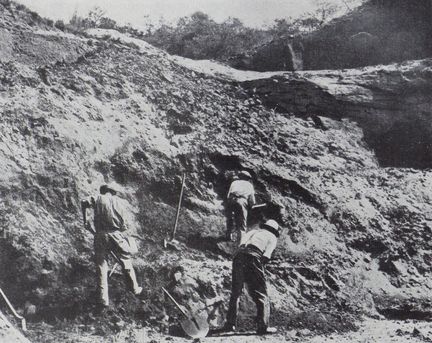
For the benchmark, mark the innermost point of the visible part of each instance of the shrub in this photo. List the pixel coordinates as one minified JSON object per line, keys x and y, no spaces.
{"x":59,"y":24}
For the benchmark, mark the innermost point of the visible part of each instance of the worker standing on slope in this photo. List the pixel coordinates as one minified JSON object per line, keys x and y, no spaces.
{"x":248,"y":268}
{"x":109,"y":223}
{"x":240,"y":198}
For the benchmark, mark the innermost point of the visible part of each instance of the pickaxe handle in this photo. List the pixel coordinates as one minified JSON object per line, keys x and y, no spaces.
{"x":258,"y":206}
{"x":178,"y":207}
{"x":113,"y":269}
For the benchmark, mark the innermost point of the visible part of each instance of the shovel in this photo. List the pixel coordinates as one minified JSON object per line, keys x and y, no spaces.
{"x":14,"y":312}
{"x":194,"y":325}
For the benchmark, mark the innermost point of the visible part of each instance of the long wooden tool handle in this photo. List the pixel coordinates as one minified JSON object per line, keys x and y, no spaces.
{"x":175,"y":302}
{"x":12,"y":309}
{"x":259,"y":206}
{"x":178,"y":207}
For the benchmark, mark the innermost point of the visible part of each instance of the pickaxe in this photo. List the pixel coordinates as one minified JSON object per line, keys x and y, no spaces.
{"x":172,"y":240}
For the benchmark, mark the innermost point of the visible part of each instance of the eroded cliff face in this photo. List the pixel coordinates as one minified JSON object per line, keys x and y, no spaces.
{"x":392,"y":104}
{"x":356,"y":239}
{"x":282,"y":53}
{"x":378,"y":32}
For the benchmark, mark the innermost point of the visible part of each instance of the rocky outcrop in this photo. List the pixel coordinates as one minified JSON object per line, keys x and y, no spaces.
{"x":282,"y":53}
{"x":392,"y":104}
{"x":378,"y":32}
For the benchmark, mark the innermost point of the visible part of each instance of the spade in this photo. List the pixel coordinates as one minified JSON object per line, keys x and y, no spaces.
{"x":194,"y":325}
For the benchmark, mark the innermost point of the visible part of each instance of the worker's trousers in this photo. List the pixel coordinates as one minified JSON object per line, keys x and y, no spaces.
{"x":103,"y":244}
{"x":248,"y":270}
{"x":236,"y":215}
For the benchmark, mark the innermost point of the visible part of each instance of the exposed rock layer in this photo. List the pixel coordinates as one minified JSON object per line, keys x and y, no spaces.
{"x":379,"y":32}
{"x":393,"y":105}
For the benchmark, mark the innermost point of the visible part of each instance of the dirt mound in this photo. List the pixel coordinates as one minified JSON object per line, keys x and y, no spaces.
{"x":115,"y":109}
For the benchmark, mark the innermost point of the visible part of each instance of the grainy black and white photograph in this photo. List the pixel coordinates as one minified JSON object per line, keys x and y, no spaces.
{"x":221,"y":171}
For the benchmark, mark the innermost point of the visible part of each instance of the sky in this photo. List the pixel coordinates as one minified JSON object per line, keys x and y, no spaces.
{"x":251,"y":12}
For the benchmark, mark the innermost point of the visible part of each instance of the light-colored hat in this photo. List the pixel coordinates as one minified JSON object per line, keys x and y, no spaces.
{"x":245,"y":175}
{"x":273,"y":226}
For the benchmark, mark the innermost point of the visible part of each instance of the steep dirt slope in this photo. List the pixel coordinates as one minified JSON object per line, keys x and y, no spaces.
{"x":357,"y":237}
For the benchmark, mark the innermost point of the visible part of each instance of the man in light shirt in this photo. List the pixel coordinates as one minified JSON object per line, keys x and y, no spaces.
{"x":240,"y":198}
{"x":109,"y":224}
{"x":248,"y":268}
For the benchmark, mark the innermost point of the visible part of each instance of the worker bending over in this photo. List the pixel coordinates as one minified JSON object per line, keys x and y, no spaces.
{"x":248,"y":268}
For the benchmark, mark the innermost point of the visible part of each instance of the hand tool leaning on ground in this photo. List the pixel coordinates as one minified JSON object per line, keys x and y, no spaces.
{"x":171,"y":240}
{"x":12,"y":309}
{"x":194,"y":325}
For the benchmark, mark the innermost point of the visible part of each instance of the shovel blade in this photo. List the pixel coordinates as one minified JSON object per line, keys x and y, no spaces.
{"x":195,"y":326}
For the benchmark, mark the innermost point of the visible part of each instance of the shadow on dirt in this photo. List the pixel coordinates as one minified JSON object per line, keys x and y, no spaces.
{"x":208,"y":244}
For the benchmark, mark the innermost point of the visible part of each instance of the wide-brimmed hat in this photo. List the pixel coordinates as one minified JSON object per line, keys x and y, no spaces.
{"x":272,"y":226}
{"x":245,"y":175}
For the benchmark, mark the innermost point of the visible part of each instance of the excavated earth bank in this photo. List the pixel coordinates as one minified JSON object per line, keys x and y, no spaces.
{"x":392,"y":104}
{"x":80,"y":110}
